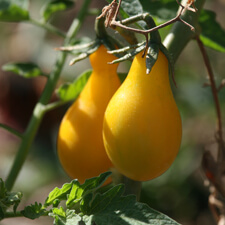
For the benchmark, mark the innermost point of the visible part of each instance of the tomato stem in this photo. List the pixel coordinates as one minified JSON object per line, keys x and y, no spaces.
{"x":47,"y":27}
{"x":132,"y":187}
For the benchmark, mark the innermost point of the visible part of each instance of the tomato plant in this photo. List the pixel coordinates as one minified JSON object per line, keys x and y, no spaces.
{"x":160,"y":52}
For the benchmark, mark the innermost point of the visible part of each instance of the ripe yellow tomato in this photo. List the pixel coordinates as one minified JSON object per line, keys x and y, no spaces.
{"x":142,"y":125}
{"x":80,"y":145}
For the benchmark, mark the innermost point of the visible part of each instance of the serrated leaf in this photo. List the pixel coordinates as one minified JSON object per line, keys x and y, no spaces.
{"x":212,"y":34}
{"x":95,"y":182}
{"x":74,"y":191}
{"x":33,"y":211}
{"x":124,"y":211}
{"x":27,"y":70}
{"x":60,"y":212}
{"x":59,"y":193}
{"x":55,"y":6}
{"x":14,"y":10}
{"x":75,"y":195}
{"x":95,"y":204}
{"x":65,"y":218}
{"x":90,"y":185}
{"x":70,"y":91}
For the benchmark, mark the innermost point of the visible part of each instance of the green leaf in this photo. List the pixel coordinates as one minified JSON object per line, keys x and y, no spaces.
{"x":212,"y":34}
{"x":14,"y":10}
{"x":113,"y":208}
{"x":94,"y":204}
{"x":33,"y":211}
{"x":75,"y":195}
{"x":54,"y":6}
{"x":59,"y":193}
{"x":74,"y":191}
{"x":80,"y":190}
{"x":161,"y":9}
{"x":67,"y":217}
{"x":27,"y":70}
{"x":70,"y":91}
{"x":131,"y":7}
{"x":95,"y":182}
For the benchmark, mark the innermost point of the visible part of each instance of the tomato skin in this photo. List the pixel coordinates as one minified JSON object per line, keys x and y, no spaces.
{"x":142,"y":126}
{"x":80,"y":145}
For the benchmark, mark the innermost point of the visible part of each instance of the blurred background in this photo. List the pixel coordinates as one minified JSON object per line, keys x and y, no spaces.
{"x":180,"y":193}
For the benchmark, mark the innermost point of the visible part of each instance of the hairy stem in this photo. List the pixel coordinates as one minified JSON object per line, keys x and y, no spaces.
{"x":39,"y":109}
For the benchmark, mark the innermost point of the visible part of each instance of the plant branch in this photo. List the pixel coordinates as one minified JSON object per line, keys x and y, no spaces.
{"x":39,"y":109}
{"x":13,"y":215}
{"x":213,"y":87}
{"x":11,"y":130}
{"x":144,"y":32}
{"x":48,"y":27}
{"x":111,"y":11}
{"x":54,"y":105}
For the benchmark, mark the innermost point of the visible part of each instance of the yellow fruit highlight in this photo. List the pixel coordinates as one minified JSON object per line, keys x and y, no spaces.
{"x":80,"y":145}
{"x":142,"y":126}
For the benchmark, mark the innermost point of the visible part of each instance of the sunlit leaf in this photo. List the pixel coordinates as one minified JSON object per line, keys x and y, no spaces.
{"x":67,"y":217}
{"x":70,"y":91}
{"x":90,"y":185}
{"x":59,"y":193}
